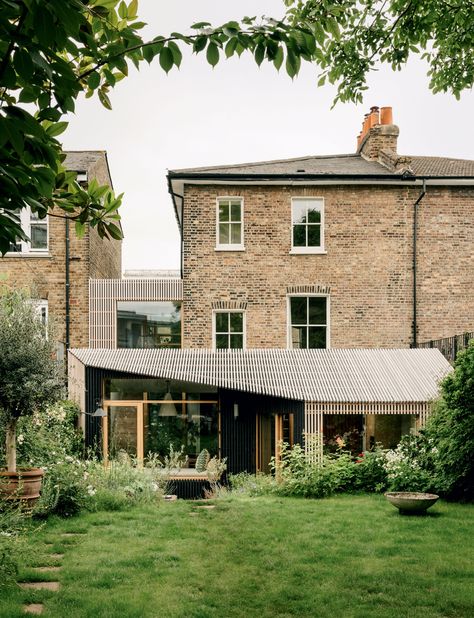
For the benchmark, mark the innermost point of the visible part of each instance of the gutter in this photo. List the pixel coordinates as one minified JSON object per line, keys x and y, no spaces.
{"x":415,"y":237}
{"x":67,"y":286}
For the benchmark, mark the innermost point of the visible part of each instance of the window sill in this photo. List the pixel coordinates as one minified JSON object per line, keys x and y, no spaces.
{"x":307,"y":251}
{"x":230,"y":248}
{"x":15,"y":254}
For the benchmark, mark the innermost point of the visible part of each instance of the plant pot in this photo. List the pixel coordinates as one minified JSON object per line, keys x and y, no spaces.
{"x":411,"y":502}
{"x":22,"y":486}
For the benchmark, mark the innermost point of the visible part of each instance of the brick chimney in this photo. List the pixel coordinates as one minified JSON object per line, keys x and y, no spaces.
{"x":378,"y":140}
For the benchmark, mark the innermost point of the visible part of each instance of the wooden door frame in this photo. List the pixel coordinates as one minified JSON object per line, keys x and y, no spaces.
{"x":138,"y":405}
{"x":278,"y":420}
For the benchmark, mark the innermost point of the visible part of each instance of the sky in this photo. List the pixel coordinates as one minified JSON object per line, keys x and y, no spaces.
{"x":235,"y":113}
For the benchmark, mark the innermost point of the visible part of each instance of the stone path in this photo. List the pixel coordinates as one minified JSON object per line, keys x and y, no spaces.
{"x":38,"y":608}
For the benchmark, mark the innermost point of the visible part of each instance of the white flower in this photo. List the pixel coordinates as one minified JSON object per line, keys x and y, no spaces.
{"x":20,"y":439}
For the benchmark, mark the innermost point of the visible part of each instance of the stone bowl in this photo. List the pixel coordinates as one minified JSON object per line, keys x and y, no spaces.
{"x":411,"y":502}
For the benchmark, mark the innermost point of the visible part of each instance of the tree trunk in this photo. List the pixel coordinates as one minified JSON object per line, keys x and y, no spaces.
{"x":10,"y":444}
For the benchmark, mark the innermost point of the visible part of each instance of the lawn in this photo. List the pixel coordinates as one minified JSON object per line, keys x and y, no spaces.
{"x":346,"y":556}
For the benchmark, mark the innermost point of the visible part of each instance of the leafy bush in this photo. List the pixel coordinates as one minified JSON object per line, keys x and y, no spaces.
{"x":253,"y":484}
{"x":14,"y":524}
{"x":369,"y":471}
{"x":451,"y":427}
{"x":410,"y":467}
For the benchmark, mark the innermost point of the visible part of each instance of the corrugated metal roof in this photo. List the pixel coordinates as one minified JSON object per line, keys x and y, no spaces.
{"x":336,"y":375}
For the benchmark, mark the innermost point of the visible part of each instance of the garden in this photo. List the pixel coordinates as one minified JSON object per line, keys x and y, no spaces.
{"x":310,"y":539}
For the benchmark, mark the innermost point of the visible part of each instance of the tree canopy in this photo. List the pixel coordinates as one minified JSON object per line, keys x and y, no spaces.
{"x":52,"y":51}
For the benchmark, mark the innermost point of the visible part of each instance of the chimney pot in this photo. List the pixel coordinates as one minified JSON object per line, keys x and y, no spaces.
{"x":386,"y":116}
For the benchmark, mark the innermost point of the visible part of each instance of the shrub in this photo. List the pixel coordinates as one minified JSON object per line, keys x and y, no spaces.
{"x":410,"y":467}
{"x":451,"y":427}
{"x":369,"y":470}
{"x":253,"y":484}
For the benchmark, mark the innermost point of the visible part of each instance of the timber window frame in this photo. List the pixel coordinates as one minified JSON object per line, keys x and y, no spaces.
{"x":230,"y":223}
{"x":231,"y":331}
{"x":307,"y":225}
{"x":303,"y":327}
{"x":37,"y":230}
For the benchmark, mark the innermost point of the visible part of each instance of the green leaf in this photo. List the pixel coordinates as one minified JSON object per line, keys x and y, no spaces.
{"x":166,"y":59}
{"x":212,"y":54}
{"x":279,"y":57}
{"x":177,"y":55}
{"x":114,"y":231}
{"x":23,"y":64}
{"x":333,"y":28}
{"x":200,"y":24}
{"x":122,"y":10}
{"x":259,"y":53}
{"x":104,"y":99}
{"x":199,"y":44}
{"x":93,"y":81}
{"x":80,"y":229}
{"x":230,"y":47}
{"x":132,"y":9}
{"x":57,"y":128}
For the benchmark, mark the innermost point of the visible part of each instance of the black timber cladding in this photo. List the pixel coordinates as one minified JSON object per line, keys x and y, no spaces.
{"x":238,"y":435}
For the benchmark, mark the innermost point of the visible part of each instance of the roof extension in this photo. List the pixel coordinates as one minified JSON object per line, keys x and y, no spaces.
{"x":335,"y":375}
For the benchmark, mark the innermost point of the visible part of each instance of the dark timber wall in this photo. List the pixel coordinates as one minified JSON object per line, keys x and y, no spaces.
{"x":238,"y":435}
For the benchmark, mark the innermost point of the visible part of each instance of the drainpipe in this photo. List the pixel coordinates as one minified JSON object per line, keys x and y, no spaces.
{"x":67,"y":287}
{"x":415,"y":236}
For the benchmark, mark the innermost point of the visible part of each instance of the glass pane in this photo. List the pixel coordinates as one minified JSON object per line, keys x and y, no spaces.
{"x":299,"y":236}
{"x":317,"y":337}
{"x":314,"y":214}
{"x":148,"y":324}
{"x":298,"y":306}
{"x":122,"y":430}
{"x":236,"y":238}
{"x":235,"y":211}
{"x":236,"y":322}
{"x":222,"y":342}
{"x":314,"y":235}
{"x":317,"y":310}
{"x":39,"y":237}
{"x":236,"y":341}
{"x":155,"y":389}
{"x":224,"y":233}
{"x":298,"y":337}
{"x":194,"y":427}
{"x":223,"y":211}
{"x":299,"y":209}
{"x":222,"y":322}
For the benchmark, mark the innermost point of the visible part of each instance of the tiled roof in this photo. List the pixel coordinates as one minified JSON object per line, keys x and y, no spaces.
{"x":442,"y":166}
{"x":343,"y":165}
{"x":336,"y":375}
{"x":80,"y":161}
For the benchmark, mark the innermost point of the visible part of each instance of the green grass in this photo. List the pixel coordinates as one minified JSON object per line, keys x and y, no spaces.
{"x":347,"y":556}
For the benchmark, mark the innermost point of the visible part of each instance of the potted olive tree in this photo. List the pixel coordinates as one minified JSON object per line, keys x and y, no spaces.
{"x":30,"y":377}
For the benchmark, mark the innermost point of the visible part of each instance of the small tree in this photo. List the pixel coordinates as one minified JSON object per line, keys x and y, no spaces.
{"x":452,"y":428}
{"x":29,"y":374}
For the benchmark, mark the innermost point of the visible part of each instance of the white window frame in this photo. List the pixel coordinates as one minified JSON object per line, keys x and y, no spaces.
{"x":309,"y":250}
{"x":26,"y":222}
{"x":244,"y":327}
{"x":289,"y":341}
{"x":230,"y":246}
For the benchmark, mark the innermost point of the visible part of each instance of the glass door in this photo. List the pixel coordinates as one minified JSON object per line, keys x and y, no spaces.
{"x":122,"y":430}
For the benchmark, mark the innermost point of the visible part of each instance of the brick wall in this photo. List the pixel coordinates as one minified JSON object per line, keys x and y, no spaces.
{"x":367,"y":268}
{"x":45,"y":276}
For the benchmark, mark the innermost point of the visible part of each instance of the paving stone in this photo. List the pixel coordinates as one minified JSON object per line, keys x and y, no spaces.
{"x":33,"y":608}
{"x":53,"y":586}
{"x":47,"y":569}
{"x":58,"y":556}
{"x":205,"y":506}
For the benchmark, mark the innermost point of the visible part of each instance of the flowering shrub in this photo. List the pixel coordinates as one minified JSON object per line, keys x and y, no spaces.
{"x":370,"y":473}
{"x":410,"y":467}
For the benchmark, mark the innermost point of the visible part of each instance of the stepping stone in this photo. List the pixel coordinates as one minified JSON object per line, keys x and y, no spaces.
{"x":193,"y":514}
{"x":47,"y":569}
{"x":73,"y":534}
{"x":170,"y":498}
{"x":53,"y":586}
{"x":33,"y":608}
{"x":205,"y":506}
{"x":58,"y":556}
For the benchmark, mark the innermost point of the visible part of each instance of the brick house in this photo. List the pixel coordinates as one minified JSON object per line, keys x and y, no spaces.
{"x":56,"y":265}
{"x":345,"y":253}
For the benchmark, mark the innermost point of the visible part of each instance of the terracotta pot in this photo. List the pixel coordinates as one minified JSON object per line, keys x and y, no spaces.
{"x":23,"y":486}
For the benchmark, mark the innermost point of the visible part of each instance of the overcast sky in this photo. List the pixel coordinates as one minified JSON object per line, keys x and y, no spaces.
{"x":237,"y":112}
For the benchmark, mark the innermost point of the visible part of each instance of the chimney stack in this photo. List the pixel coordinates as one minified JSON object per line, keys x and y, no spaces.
{"x":378,"y":135}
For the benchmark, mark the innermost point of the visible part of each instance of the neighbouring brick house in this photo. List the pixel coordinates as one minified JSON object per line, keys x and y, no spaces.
{"x":56,"y":265}
{"x":367,"y":250}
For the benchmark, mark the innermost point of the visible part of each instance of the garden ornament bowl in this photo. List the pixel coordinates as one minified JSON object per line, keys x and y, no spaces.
{"x":411,"y":502}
